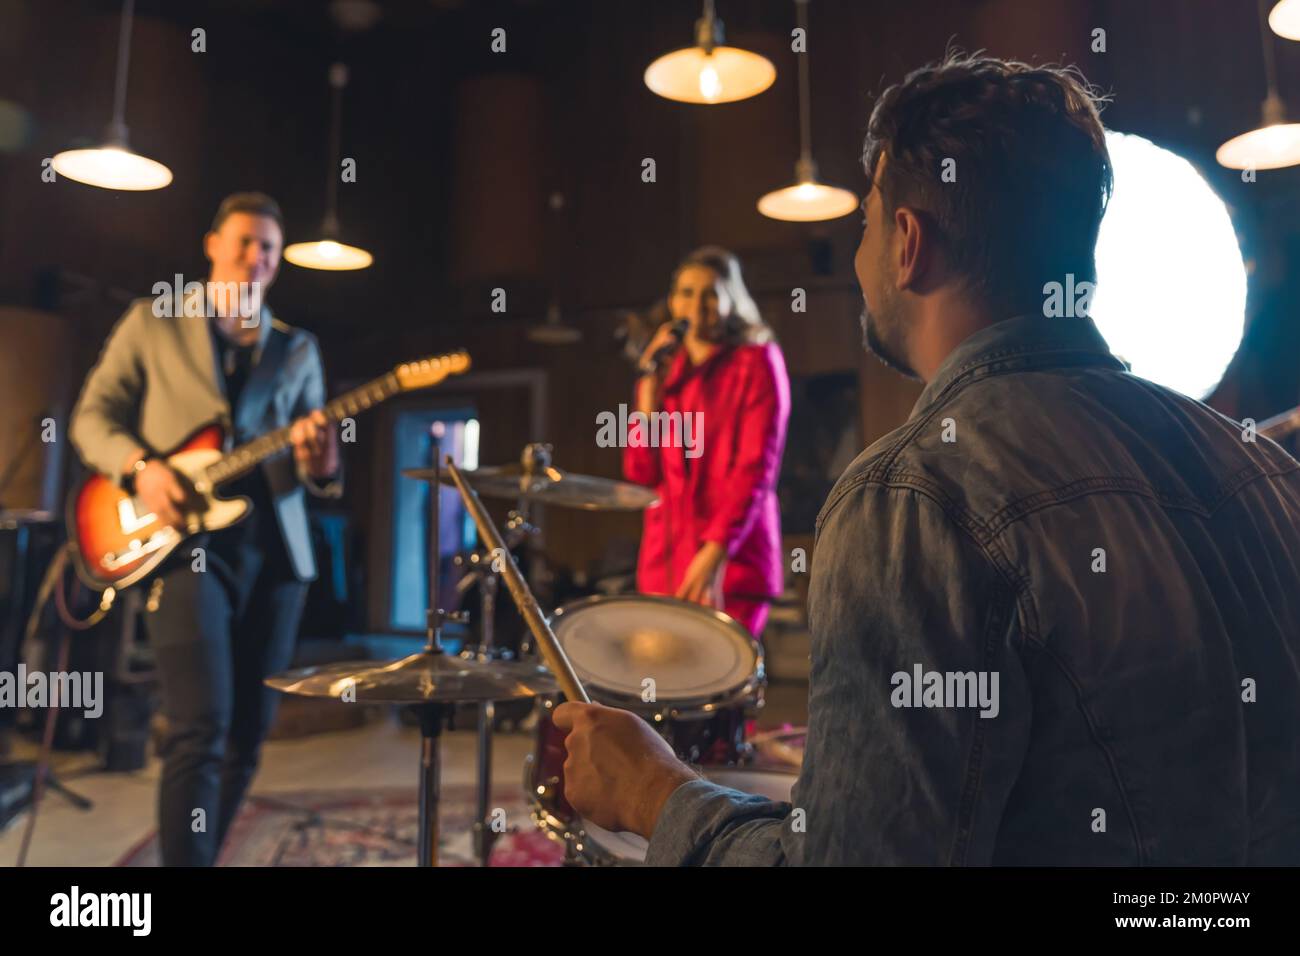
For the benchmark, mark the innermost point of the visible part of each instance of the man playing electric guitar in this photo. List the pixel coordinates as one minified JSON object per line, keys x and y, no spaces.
{"x":227,"y":615}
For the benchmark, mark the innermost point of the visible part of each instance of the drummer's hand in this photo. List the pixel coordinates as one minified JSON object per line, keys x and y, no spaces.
{"x":702,"y":583}
{"x":618,"y":773}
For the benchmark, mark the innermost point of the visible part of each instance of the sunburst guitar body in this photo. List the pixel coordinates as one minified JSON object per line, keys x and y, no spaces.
{"x":119,"y":540}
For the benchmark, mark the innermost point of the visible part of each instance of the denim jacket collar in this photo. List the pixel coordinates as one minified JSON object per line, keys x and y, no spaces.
{"x":1023,"y":341}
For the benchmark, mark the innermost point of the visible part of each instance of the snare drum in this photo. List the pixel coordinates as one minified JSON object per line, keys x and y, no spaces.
{"x":692,"y":672}
{"x":596,"y":846}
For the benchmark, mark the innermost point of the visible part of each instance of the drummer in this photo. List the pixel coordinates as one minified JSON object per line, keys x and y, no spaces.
{"x":1113,"y":730}
{"x":715,"y":539}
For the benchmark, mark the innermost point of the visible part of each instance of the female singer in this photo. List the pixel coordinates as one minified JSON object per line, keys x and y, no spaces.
{"x":715,"y":537}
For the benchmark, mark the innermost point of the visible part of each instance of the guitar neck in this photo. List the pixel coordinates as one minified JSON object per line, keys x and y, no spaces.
{"x":247,"y":456}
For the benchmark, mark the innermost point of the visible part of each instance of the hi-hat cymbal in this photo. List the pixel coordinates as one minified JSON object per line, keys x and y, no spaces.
{"x":422,"y":678}
{"x":549,"y":486}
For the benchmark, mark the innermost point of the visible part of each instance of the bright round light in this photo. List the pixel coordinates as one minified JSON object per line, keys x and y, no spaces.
{"x":693,"y":76}
{"x":328,"y":254}
{"x":1171,"y":284}
{"x":710,"y":84}
{"x":808,"y":202}
{"x":111,"y":167}
{"x":1285,"y":19}
{"x":1269,"y":147}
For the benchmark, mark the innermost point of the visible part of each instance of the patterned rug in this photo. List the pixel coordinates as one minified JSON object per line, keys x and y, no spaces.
{"x":367,"y":828}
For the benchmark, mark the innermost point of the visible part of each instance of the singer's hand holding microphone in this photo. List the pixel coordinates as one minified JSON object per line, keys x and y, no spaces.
{"x":655,"y":360}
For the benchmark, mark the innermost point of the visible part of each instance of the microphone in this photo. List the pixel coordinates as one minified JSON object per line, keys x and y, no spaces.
{"x":661,"y":355}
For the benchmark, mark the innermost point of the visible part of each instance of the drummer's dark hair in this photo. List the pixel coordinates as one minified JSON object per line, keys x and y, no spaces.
{"x":745,"y":325}
{"x":1007,"y":161}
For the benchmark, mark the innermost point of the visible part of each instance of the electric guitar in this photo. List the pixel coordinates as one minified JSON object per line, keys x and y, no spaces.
{"x":118,"y":540}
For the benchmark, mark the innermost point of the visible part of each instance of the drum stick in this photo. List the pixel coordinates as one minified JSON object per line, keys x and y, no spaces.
{"x":531,"y":611}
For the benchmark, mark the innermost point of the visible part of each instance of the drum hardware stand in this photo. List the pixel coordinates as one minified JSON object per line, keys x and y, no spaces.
{"x":482,"y":570}
{"x":535,"y":462}
{"x":431,"y":715}
{"x":484,"y":835}
{"x":553,"y":655}
{"x":535,"y":457}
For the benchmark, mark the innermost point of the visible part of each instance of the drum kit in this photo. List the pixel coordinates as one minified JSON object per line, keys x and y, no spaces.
{"x":692,"y":672}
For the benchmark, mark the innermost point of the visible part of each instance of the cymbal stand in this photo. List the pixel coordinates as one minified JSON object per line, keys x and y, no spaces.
{"x":431,"y":715}
{"x":484,"y":570}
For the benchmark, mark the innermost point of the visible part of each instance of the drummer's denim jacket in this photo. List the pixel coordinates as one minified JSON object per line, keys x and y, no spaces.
{"x":1055,"y":620}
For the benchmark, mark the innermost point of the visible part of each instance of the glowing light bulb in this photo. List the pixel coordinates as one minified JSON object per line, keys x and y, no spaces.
{"x":112,"y":167}
{"x":724,"y":75}
{"x":1268,"y":147}
{"x":1285,"y":19}
{"x":710,"y":85}
{"x":807,"y":201}
{"x":327,"y":254}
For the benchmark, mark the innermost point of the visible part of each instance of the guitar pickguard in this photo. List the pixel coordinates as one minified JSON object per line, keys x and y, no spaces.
{"x":139,"y":548}
{"x":130,"y":517}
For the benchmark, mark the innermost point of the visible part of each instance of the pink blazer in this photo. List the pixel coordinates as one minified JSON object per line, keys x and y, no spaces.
{"x":728,"y":493}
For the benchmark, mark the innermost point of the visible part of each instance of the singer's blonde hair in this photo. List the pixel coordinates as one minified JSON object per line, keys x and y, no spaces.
{"x":745,"y":325}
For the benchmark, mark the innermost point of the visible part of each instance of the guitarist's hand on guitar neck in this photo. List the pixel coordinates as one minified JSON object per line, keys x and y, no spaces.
{"x":161,"y":490}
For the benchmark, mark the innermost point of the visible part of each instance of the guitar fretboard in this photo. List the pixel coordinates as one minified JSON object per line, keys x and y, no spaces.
{"x":246,"y":456}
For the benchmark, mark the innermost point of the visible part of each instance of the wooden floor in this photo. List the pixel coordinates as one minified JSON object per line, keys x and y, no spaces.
{"x":383,"y":753}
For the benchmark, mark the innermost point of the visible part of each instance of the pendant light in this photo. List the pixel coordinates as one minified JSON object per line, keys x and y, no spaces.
{"x":709,"y":72}
{"x":807,"y":200}
{"x":112,"y":164}
{"x":328,"y":253}
{"x":1276,"y":143}
{"x":554,"y":331}
{"x":1285,"y":19}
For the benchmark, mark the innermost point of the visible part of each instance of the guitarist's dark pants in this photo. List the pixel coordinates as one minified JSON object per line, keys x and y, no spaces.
{"x":217,"y":633}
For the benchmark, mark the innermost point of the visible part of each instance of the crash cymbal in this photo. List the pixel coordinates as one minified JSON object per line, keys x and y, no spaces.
{"x":550,"y":486}
{"x":423,"y":678}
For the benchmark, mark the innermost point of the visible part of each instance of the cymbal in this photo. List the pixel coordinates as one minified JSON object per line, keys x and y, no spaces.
{"x":422,"y":678}
{"x":550,"y":486}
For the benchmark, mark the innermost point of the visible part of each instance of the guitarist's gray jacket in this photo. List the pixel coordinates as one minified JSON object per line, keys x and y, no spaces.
{"x":157,"y":382}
